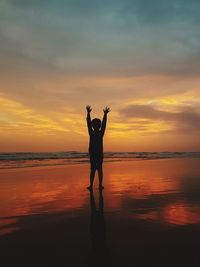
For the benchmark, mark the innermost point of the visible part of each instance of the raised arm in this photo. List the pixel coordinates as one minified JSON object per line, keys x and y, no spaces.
{"x":104,"y":121}
{"x":89,"y":122}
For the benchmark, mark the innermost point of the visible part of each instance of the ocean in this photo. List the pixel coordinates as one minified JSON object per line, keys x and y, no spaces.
{"x":30,"y":159}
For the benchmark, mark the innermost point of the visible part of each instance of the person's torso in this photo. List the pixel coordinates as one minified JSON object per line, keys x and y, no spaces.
{"x":96,"y":142}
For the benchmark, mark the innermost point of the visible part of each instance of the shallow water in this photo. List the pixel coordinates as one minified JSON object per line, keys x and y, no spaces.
{"x":146,"y":207}
{"x":29,"y":159}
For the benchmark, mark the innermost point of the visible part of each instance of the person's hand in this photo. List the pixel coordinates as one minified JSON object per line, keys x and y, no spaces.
{"x":88,"y":108}
{"x":106,"y":110}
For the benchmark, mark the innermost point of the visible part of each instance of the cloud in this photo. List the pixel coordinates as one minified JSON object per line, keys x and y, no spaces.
{"x":57,"y":56}
{"x":145,"y":9}
{"x":18,"y":118}
{"x":187,"y":119}
{"x":115,"y":37}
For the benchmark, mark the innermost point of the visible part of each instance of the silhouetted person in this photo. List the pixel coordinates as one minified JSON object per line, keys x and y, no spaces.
{"x":96,"y":130}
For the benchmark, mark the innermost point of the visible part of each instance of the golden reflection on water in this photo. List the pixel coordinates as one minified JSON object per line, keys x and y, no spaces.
{"x":146,"y":189}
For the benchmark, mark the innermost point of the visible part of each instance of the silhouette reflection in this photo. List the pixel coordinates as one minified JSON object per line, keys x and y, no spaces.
{"x":99,"y":252}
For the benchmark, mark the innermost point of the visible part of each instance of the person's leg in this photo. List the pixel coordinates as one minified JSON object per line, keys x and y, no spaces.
{"x":100,"y":171}
{"x":100,"y":174}
{"x":92,"y":172}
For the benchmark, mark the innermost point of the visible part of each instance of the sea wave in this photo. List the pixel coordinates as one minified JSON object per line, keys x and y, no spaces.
{"x":30,"y":159}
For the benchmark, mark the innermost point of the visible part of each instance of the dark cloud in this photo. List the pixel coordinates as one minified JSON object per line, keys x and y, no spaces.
{"x":130,"y":37}
{"x":187,"y":119}
{"x":68,"y":7}
{"x":155,"y":11}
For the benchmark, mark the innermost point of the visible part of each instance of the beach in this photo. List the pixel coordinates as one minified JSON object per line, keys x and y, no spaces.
{"x":147,"y":215}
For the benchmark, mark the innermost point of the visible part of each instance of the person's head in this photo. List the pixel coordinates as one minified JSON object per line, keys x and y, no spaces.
{"x":96,"y":124}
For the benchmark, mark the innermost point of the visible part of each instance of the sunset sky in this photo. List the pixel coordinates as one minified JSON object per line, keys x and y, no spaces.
{"x":139,"y":57}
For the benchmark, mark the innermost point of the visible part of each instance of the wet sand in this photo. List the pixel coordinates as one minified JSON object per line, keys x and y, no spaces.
{"x":148,"y":215}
